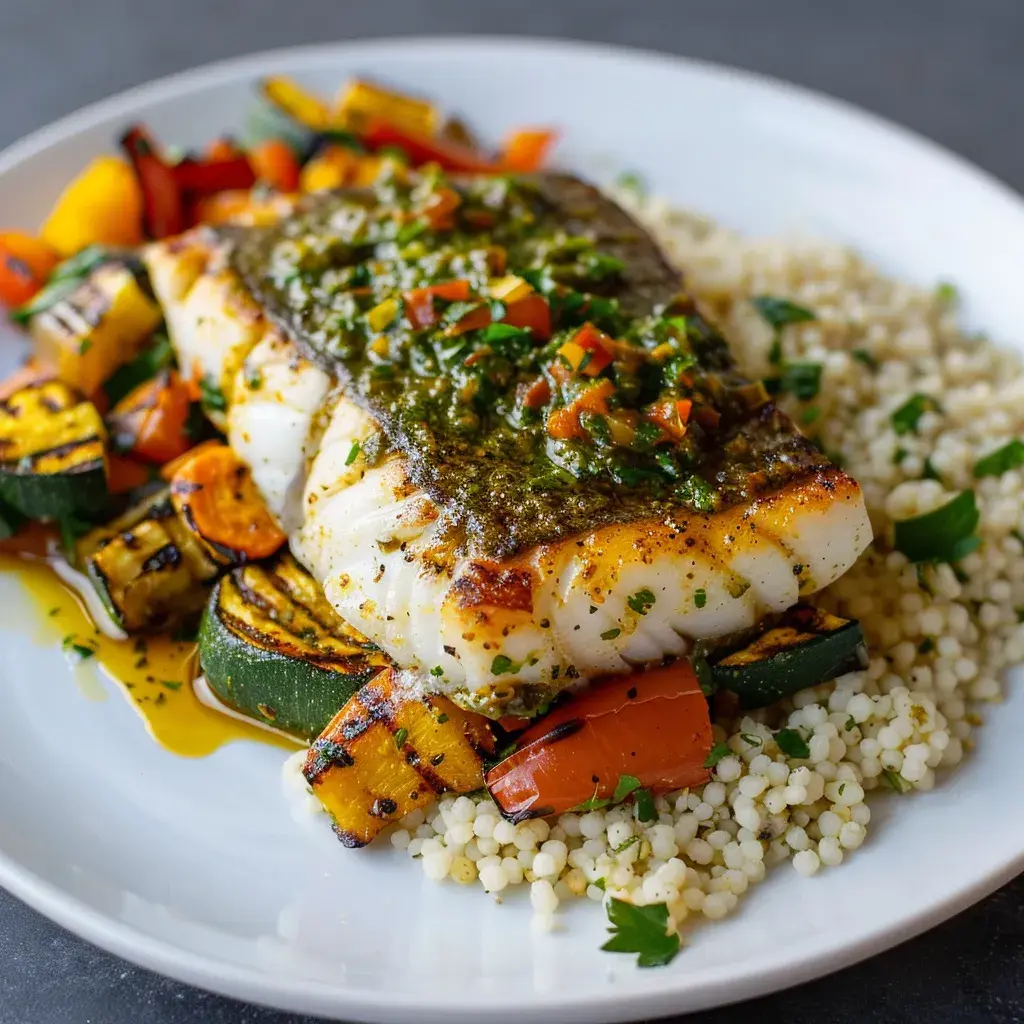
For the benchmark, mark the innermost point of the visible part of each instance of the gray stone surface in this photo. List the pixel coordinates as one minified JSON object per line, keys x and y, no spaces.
{"x":948,"y":68}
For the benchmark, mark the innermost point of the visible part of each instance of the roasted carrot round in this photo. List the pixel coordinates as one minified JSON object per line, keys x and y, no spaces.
{"x":25,"y":264}
{"x":527,"y":150}
{"x":215,"y":495}
{"x":151,"y":421}
{"x":653,"y":726}
{"x":274,"y":162}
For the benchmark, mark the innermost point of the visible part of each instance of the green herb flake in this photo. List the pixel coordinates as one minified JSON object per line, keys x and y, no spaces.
{"x":899,"y":455}
{"x":645,"y":809}
{"x":778,"y":313}
{"x":503,"y":665}
{"x":929,"y":472}
{"x":211,"y":396}
{"x":862,"y":355}
{"x":946,"y":293}
{"x":401,"y":735}
{"x":642,"y":601}
{"x":626,"y":785}
{"x":700,"y":597}
{"x":850,"y":725}
{"x":442,"y":718}
{"x":353,"y":453}
{"x":718,"y":751}
{"x":895,"y":781}
{"x":71,"y":645}
{"x":702,"y":669}
{"x":906,"y":418}
{"x":610,"y":634}
{"x":437,"y":671}
{"x":802,"y":379}
{"x":171,"y":684}
{"x":641,"y":930}
{"x":54,"y":611}
{"x":1001,"y":461}
{"x":926,"y":646}
{"x":792,"y":744}
{"x":946,"y":534}
{"x":810,"y":415}
{"x":84,"y":345}
{"x":631,"y":181}
{"x":600,"y":883}
{"x":751,"y":739}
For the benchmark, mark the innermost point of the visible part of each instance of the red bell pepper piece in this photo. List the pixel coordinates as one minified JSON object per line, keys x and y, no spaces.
{"x":419,"y":302}
{"x":422,"y":149}
{"x":651,"y":725}
{"x":204,"y":177}
{"x":163,"y":206}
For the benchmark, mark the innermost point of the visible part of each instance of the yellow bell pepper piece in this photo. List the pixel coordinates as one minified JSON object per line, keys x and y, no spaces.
{"x":334,"y":167}
{"x":361,"y":103}
{"x":382,"y":315}
{"x":102,"y":205}
{"x":509,"y":288}
{"x":288,"y":96}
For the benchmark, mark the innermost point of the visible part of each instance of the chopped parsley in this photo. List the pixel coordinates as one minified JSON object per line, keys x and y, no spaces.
{"x":641,"y":930}
{"x":792,"y":744}
{"x":211,"y":396}
{"x":862,"y":355}
{"x":702,"y":669}
{"x":254,"y":379}
{"x":700,"y":597}
{"x":401,"y":735}
{"x":810,"y":415}
{"x":84,"y":345}
{"x":645,"y":809}
{"x":353,"y":453}
{"x":778,"y":313}
{"x":1001,"y":461}
{"x":929,"y":472}
{"x":946,"y":534}
{"x":72,"y":646}
{"x":171,"y":684}
{"x":926,"y":646}
{"x":503,"y":665}
{"x":906,"y":418}
{"x":437,"y":671}
{"x":642,"y":601}
{"x":718,"y":751}
{"x":946,"y":293}
{"x":626,"y":785}
{"x":895,"y":781}
{"x":610,"y":634}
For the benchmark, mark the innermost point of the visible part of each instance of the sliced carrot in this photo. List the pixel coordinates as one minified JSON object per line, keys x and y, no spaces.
{"x":151,"y":420}
{"x":168,"y":469}
{"x":419,"y":302}
{"x":653,"y":726}
{"x":527,"y":149}
{"x":25,"y":264}
{"x":274,"y":162}
{"x":215,"y":495}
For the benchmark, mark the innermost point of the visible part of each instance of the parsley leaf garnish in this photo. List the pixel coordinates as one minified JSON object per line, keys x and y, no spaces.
{"x":908,"y":415}
{"x":626,"y":785}
{"x":353,"y":453}
{"x":700,"y":597}
{"x":211,"y":396}
{"x":718,"y":751}
{"x":641,"y":930}
{"x":502,"y":665}
{"x":1001,"y":461}
{"x":610,"y":634}
{"x":862,"y":355}
{"x":946,"y":534}
{"x":777,"y":313}
{"x":792,"y":744}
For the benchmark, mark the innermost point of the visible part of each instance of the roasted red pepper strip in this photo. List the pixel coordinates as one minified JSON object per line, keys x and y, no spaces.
{"x":419,"y":302}
{"x":204,"y":177}
{"x":163,"y":207}
{"x":651,"y":725}
{"x":421,"y":149}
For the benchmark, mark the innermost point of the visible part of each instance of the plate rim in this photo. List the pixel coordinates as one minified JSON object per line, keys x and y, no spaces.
{"x":304,"y":996}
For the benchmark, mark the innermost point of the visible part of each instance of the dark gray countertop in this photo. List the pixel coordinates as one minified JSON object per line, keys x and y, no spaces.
{"x":950,"y":69}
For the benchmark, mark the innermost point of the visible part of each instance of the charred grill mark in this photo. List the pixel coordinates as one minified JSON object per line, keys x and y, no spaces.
{"x":167,"y":557}
{"x":484,"y":585}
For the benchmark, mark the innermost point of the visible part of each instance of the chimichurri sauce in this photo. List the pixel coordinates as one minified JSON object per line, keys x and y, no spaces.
{"x":528,"y":347}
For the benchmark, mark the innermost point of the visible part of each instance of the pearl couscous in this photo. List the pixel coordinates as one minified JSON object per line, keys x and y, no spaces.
{"x":940,"y":636}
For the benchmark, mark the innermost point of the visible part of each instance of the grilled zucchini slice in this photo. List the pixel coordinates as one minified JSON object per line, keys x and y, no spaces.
{"x":806,"y":647}
{"x":100,"y":325}
{"x":52,"y":456}
{"x":272,"y":647}
{"x":148,"y":568}
{"x":386,"y":753}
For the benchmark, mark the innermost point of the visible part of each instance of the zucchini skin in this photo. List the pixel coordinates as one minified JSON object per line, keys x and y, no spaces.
{"x":259,"y":662}
{"x":52,"y":454}
{"x":805,"y":648}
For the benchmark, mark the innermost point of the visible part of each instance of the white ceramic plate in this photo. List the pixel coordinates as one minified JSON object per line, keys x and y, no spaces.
{"x":195,"y":868}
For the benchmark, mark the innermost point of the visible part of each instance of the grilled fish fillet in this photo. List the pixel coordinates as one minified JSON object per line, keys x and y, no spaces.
{"x":500,"y":635}
{"x":505,"y":635}
{"x":273,"y":395}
